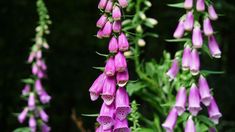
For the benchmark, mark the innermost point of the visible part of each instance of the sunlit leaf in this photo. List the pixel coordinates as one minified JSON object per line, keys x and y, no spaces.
{"x":177,"y":5}
{"x":134,"y":87}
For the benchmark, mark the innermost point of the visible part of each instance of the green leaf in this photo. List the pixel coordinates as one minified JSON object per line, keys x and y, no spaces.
{"x":209,"y":72}
{"x":28,"y":81}
{"x":90,"y":115}
{"x":177,"y":5}
{"x":100,"y":54}
{"x":146,"y":130}
{"x":152,"y":35}
{"x":178,"y":40}
{"x":150,"y":69}
{"x":99,"y":68}
{"x":134,"y":87}
{"x":22,"y":129}
{"x":205,"y":120}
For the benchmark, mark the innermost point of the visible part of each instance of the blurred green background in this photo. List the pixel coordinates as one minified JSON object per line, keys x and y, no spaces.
{"x":72,"y":56}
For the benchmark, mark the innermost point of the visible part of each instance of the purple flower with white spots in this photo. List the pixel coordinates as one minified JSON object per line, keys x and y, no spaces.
{"x":204,"y":91}
{"x":106,"y":115}
{"x":121,"y":126}
{"x":214,"y":47}
{"x":170,"y":121}
{"x":214,"y":112}
{"x":195,"y":62}
{"x":189,"y":21}
{"x":190,"y":126}
{"x":194,"y":100}
{"x":109,"y":89}
{"x":212,"y":13}
{"x":173,"y":71}
{"x":97,"y":87}
{"x":181,"y":99}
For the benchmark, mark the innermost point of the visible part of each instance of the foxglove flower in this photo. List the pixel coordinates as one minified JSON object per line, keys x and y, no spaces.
{"x":32,"y":124}
{"x":122,"y":104}
{"x":109,"y":6}
{"x":189,"y":21}
{"x":122,"y":78}
{"x":22,"y":116}
{"x":102,"y":20}
{"x":99,"y":34}
{"x":39,"y":54}
{"x":38,"y":87}
{"x":109,"y":89}
{"x":110,"y":67}
{"x":116,"y":14}
{"x":43,"y":115}
{"x":170,"y":122}
{"x":97,"y":87}
{"x":204,"y":91}
{"x":31,"y":57}
{"x":102,"y":4}
{"x":113,"y":45}
{"x":45,"y":128}
{"x":214,"y":47}
{"x":107,"y":30}
{"x":197,"y":39}
{"x":44,"y":97}
{"x":173,"y":71}
{"x":195,"y":62}
{"x":31,"y":101}
{"x":120,"y":62}
{"x":26,"y":90}
{"x":190,"y":126}
{"x":106,"y":115}
{"x":121,"y":126}
{"x":181,"y":101}
{"x":179,"y":31}
{"x":212,"y":13}
{"x":208,"y":30}
{"x":123,"y":3}
{"x":123,"y":42}
{"x":35,"y":69}
{"x":214,"y":112}
{"x":117,"y":26}
{"x":194,"y":100}
{"x":200,"y":5}
{"x":186,"y":59}
{"x":188,"y":4}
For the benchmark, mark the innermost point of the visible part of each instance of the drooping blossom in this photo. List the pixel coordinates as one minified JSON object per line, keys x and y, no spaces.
{"x":22,"y":116}
{"x":121,"y":126}
{"x":31,"y":101}
{"x":188,"y":4}
{"x":109,"y":89}
{"x":207,"y":28}
{"x":107,"y":30}
{"x":32,"y":124}
{"x":181,"y":99}
{"x":204,"y":91}
{"x":200,"y":5}
{"x":197,"y":38}
{"x":173,"y":71}
{"x":110,"y":67}
{"x":186,"y":58}
{"x":102,"y":21}
{"x":214,"y":47}
{"x":102,"y":4}
{"x":122,"y":107}
{"x":212,"y":13}
{"x":195,"y":62}
{"x":120,"y":62}
{"x":26,"y":90}
{"x":123,"y":43}
{"x":189,"y":21}
{"x":106,"y":115}
{"x":214,"y":112}
{"x":43,"y":115}
{"x":97,"y":87}
{"x":194,"y":100}
{"x":113,"y":45}
{"x":117,"y":26}
{"x":190,"y":126}
{"x":122,"y":78}
{"x":179,"y":31}
{"x":123,"y":3}
{"x":170,"y":121}
{"x":116,"y":14}
{"x":109,"y":6}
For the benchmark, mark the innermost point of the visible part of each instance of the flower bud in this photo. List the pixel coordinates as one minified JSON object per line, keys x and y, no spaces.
{"x":141,"y":42}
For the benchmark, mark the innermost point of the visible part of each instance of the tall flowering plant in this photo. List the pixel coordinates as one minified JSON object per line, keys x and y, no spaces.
{"x":110,"y":84}
{"x":193,"y":90}
{"x":34,"y":91}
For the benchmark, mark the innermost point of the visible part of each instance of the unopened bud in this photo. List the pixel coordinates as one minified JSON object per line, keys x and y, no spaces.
{"x":152,"y":21}
{"x":139,"y":29}
{"x":141,"y":42}
{"x":128,"y":53}
{"x":142,"y":15}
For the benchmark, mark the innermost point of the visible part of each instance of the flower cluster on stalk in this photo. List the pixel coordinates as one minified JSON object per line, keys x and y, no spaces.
{"x":115,"y":107}
{"x":34,"y":91}
{"x":189,"y":24}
